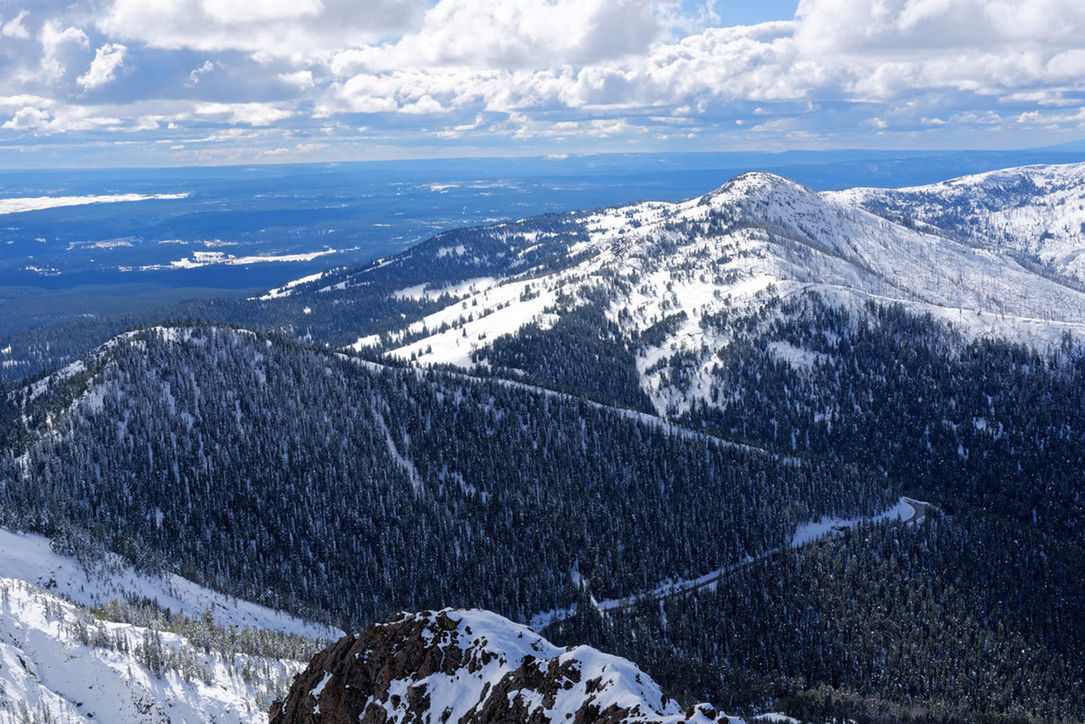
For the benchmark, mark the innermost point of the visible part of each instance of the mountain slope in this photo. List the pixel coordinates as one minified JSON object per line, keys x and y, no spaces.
{"x":664,"y":279}
{"x":60,"y":662}
{"x":757,"y":238}
{"x":180,"y":448}
{"x":91,"y":576}
{"x":1035,"y":212}
{"x":655,"y":396}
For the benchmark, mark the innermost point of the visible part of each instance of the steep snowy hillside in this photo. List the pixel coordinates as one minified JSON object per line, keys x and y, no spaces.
{"x":1037,"y":212}
{"x":665,"y":275}
{"x":98,"y":580}
{"x":60,"y":662}
{"x":474,"y":666}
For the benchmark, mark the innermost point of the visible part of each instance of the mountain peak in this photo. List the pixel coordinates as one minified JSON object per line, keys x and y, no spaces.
{"x":473,"y":666}
{"x":757,"y":184}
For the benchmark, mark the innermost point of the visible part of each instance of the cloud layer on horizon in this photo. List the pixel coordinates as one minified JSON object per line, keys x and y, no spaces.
{"x":205,"y":81}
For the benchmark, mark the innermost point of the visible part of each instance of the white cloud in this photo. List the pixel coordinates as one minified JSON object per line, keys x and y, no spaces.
{"x":15,"y":102}
{"x":253,"y":114}
{"x":15,"y":28}
{"x":49,"y":118}
{"x":103,"y":69}
{"x":544,"y":69}
{"x":53,"y":43}
{"x":301,"y":79}
{"x":423,"y":106}
{"x":28,"y":118}
{"x":194,"y":75}
{"x":526,"y":33}
{"x":844,"y":26}
{"x":512,"y":54}
{"x":887,"y":48}
{"x":232,"y":11}
{"x":52,"y":37}
{"x":272,"y":28}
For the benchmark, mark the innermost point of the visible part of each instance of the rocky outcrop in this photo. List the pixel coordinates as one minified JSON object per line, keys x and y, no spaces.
{"x":472,"y":666}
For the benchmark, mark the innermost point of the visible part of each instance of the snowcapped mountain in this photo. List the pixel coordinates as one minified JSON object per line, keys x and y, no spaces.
{"x":663,"y":404}
{"x":671,"y":278}
{"x":473,"y":666}
{"x":1035,"y":212}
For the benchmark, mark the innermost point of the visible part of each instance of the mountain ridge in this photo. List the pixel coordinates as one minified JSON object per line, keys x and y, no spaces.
{"x":1037,"y":212}
{"x":753,"y":239}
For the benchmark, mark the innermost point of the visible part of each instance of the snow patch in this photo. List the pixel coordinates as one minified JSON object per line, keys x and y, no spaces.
{"x":37,"y":203}
{"x":903,"y":510}
{"x":287,"y":289}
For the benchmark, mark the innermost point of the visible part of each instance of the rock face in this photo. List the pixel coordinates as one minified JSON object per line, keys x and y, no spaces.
{"x":472,"y":666}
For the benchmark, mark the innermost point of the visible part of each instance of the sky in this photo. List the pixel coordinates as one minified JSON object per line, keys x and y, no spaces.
{"x":89,"y":83}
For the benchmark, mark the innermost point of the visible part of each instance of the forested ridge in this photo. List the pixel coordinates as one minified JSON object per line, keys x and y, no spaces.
{"x":974,"y":614}
{"x":307,"y":479}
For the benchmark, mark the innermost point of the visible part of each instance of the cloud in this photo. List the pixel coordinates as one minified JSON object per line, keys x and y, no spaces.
{"x":28,"y":118}
{"x":522,"y":34}
{"x":275,"y":28}
{"x":887,"y":26}
{"x":15,"y":28}
{"x":300,"y":78}
{"x":103,"y":69}
{"x":15,"y":102}
{"x":231,"y":11}
{"x":195,"y":73}
{"x":55,"y":44}
{"x":888,"y":48}
{"x":419,"y":72}
{"x":253,"y":114}
{"x":426,"y":105}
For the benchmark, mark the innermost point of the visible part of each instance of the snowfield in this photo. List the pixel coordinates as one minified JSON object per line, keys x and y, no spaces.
{"x":906,"y":510}
{"x":287,"y":289}
{"x":59,"y":662}
{"x":1034,"y":211}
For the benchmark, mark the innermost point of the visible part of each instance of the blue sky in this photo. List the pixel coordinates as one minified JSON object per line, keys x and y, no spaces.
{"x":182,"y":82}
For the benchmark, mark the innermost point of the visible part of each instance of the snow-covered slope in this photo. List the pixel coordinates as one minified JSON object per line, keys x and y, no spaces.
{"x":475,"y":666}
{"x":670,"y":268}
{"x":1037,"y":212}
{"x":31,"y":558}
{"x":60,"y":663}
